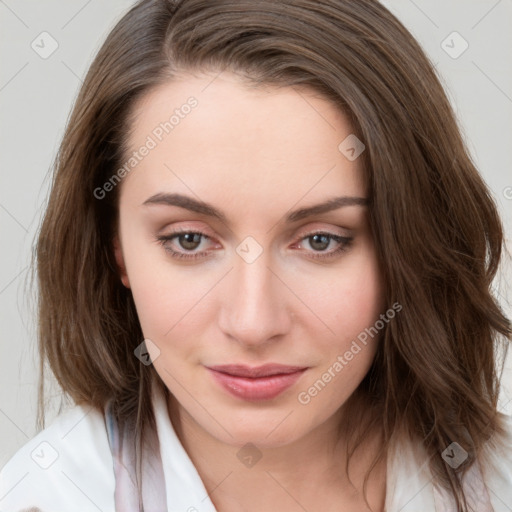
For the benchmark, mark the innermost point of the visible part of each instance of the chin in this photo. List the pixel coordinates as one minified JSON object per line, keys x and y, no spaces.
{"x":265,"y":430}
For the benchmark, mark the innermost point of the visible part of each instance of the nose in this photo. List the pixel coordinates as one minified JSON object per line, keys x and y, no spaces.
{"x":255,"y":307}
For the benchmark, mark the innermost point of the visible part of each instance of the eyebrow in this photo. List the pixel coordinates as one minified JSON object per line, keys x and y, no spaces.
{"x":195,"y":205}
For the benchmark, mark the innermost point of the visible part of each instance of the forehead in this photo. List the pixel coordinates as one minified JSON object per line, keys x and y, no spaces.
{"x":260,"y":144}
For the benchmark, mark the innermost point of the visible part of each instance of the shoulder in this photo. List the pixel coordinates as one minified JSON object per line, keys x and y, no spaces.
{"x":410,"y":484}
{"x":67,"y":466}
{"x":496,"y":466}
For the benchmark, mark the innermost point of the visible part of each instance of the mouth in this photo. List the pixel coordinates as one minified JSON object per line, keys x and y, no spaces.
{"x":256,"y":383}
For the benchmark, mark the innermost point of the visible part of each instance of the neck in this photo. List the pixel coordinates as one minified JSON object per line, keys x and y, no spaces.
{"x":295,"y":476}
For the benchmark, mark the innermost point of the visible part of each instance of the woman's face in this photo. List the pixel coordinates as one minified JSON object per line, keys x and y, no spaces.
{"x":255,"y":294}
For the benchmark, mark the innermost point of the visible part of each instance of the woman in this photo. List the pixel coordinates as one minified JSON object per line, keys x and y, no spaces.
{"x":265,"y":274}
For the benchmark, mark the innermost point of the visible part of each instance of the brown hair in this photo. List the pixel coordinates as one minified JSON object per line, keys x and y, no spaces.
{"x":436,"y":227}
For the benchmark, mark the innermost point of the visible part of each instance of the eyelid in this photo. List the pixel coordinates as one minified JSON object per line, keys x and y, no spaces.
{"x":198,"y":227}
{"x":321,"y":228}
{"x":180,"y":231}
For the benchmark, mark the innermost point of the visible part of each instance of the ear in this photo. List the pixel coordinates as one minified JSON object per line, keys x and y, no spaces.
{"x":118,"y":253}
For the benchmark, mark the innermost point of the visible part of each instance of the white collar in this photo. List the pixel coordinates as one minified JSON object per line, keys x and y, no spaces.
{"x":184,"y":487}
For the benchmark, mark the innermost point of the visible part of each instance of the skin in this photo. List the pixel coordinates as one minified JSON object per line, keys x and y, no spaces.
{"x":256,"y":154}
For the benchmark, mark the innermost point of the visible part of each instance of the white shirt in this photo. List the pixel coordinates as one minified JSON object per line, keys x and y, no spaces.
{"x":69,"y":467}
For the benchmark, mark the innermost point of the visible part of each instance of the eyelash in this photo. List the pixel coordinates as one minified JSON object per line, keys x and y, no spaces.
{"x":344,"y":242}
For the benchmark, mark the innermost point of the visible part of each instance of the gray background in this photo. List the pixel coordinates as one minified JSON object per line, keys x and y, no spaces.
{"x":36,"y":95}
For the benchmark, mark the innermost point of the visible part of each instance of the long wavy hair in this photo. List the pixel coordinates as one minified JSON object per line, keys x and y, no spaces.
{"x":437,"y":231}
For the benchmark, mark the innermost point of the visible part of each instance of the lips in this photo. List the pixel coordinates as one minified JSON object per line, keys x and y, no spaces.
{"x":267,"y":370}
{"x":256,"y":383}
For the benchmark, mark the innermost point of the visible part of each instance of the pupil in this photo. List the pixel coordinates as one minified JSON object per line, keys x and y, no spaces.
{"x":190,"y":241}
{"x":319,"y":242}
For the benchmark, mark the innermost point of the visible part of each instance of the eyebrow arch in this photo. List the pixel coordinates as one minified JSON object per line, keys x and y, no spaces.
{"x":195,"y":205}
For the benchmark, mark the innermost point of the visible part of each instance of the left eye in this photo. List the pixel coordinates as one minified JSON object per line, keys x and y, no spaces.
{"x":320,"y":242}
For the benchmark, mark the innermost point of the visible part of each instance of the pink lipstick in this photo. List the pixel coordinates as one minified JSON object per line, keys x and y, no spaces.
{"x":256,"y":383}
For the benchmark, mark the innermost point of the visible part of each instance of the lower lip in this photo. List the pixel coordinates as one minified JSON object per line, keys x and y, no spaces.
{"x":261,"y":388}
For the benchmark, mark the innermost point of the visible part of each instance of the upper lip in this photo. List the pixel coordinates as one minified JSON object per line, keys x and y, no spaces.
{"x":266,"y":370}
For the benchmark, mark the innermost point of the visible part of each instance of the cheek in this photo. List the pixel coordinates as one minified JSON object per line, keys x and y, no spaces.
{"x":162,"y":294}
{"x":359,"y":301}
{"x":347,"y":299}
{"x":351,"y":305}
{"x":169,"y":303}
{"x":174,"y":303}
{"x":354,"y":307}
